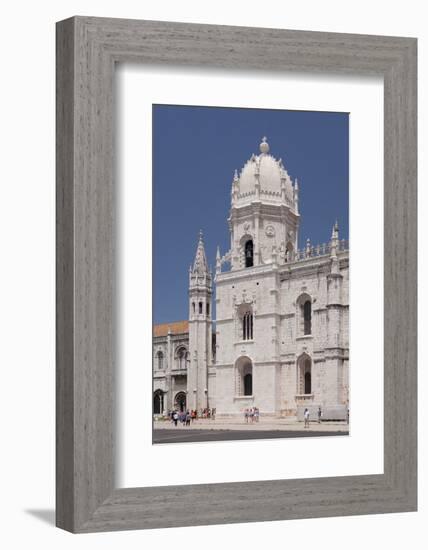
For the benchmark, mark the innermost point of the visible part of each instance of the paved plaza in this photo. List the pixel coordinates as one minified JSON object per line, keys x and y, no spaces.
{"x":164,"y":431}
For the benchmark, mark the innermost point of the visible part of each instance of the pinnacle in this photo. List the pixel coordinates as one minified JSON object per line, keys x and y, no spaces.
{"x":200,"y":265}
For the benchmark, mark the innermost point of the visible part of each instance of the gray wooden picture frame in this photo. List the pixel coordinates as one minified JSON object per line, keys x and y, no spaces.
{"x":87,"y":50}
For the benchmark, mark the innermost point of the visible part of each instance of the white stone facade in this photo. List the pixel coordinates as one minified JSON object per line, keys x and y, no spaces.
{"x":281,"y":340}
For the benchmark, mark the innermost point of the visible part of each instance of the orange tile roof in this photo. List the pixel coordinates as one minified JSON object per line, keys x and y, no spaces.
{"x":179,"y":327}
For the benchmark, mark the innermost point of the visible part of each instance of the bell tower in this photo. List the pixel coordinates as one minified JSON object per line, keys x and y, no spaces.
{"x":264,"y":214}
{"x":200,"y":329}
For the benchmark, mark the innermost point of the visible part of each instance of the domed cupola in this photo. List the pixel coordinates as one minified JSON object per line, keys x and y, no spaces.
{"x":264,"y":178}
{"x":264,"y":214}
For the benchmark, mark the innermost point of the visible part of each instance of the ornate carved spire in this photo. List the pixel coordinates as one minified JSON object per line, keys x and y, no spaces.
{"x":200,"y":265}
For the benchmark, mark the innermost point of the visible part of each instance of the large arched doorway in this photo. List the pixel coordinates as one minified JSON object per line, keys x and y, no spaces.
{"x":180,"y":401}
{"x":158,"y":402}
{"x":244,"y":376}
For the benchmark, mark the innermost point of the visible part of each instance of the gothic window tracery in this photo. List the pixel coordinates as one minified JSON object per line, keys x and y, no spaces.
{"x":181,"y":358}
{"x":247,"y":326}
{"x":159,"y":360}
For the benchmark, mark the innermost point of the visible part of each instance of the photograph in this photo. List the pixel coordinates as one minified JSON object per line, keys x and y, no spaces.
{"x":250,"y":273}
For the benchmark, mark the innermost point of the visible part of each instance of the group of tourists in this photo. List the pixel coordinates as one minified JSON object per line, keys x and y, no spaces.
{"x":207,"y":413}
{"x":251,"y":415}
{"x":185,"y":418}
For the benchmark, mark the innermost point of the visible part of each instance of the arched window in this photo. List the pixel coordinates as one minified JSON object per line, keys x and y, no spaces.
{"x":193,"y":307}
{"x":248,"y":384}
{"x":307,"y":317}
{"x":180,"y":401}
{"x":159,"y":360}
{"x":200,"y":307}
{"x":208,"y":309}
{"x":304,"y":315}
{"x":249,"y":253}
{"x":247,"y":326}
{"x":182,"y":355}
{"x":158,"y":402}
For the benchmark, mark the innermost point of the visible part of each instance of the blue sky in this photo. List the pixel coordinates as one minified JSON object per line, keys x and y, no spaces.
{"x":195,"y":152}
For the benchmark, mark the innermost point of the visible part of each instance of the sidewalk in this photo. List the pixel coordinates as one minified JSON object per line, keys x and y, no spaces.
{"x":263,"y":424}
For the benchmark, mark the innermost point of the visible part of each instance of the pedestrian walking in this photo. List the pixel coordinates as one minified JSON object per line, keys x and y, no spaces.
{"x":246,"y":416}
{"x":256,"y":414}
{"x":175,"y":417}
{"x":306,"y":415}
{"x":319,"y":414}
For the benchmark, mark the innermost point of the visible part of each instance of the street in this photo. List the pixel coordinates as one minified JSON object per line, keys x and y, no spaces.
{"x":183,"y":435}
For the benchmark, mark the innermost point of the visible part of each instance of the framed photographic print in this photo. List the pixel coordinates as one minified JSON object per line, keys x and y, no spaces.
{"x":236,"y":274}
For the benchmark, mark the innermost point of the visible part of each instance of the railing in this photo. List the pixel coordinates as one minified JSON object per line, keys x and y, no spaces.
{"x":323,"y":249}
{"x":309,"y":251}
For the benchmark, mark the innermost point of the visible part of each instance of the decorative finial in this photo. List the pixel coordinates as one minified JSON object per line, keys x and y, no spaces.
{"x":264,"y":146}
{"x":235,"y":175}
{"x":218,"y":261}
{"x":201,"y":235}
{"x":333,"y":246}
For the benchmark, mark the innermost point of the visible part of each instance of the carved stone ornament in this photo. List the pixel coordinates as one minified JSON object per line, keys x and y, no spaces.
{"x":270,"y":231}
